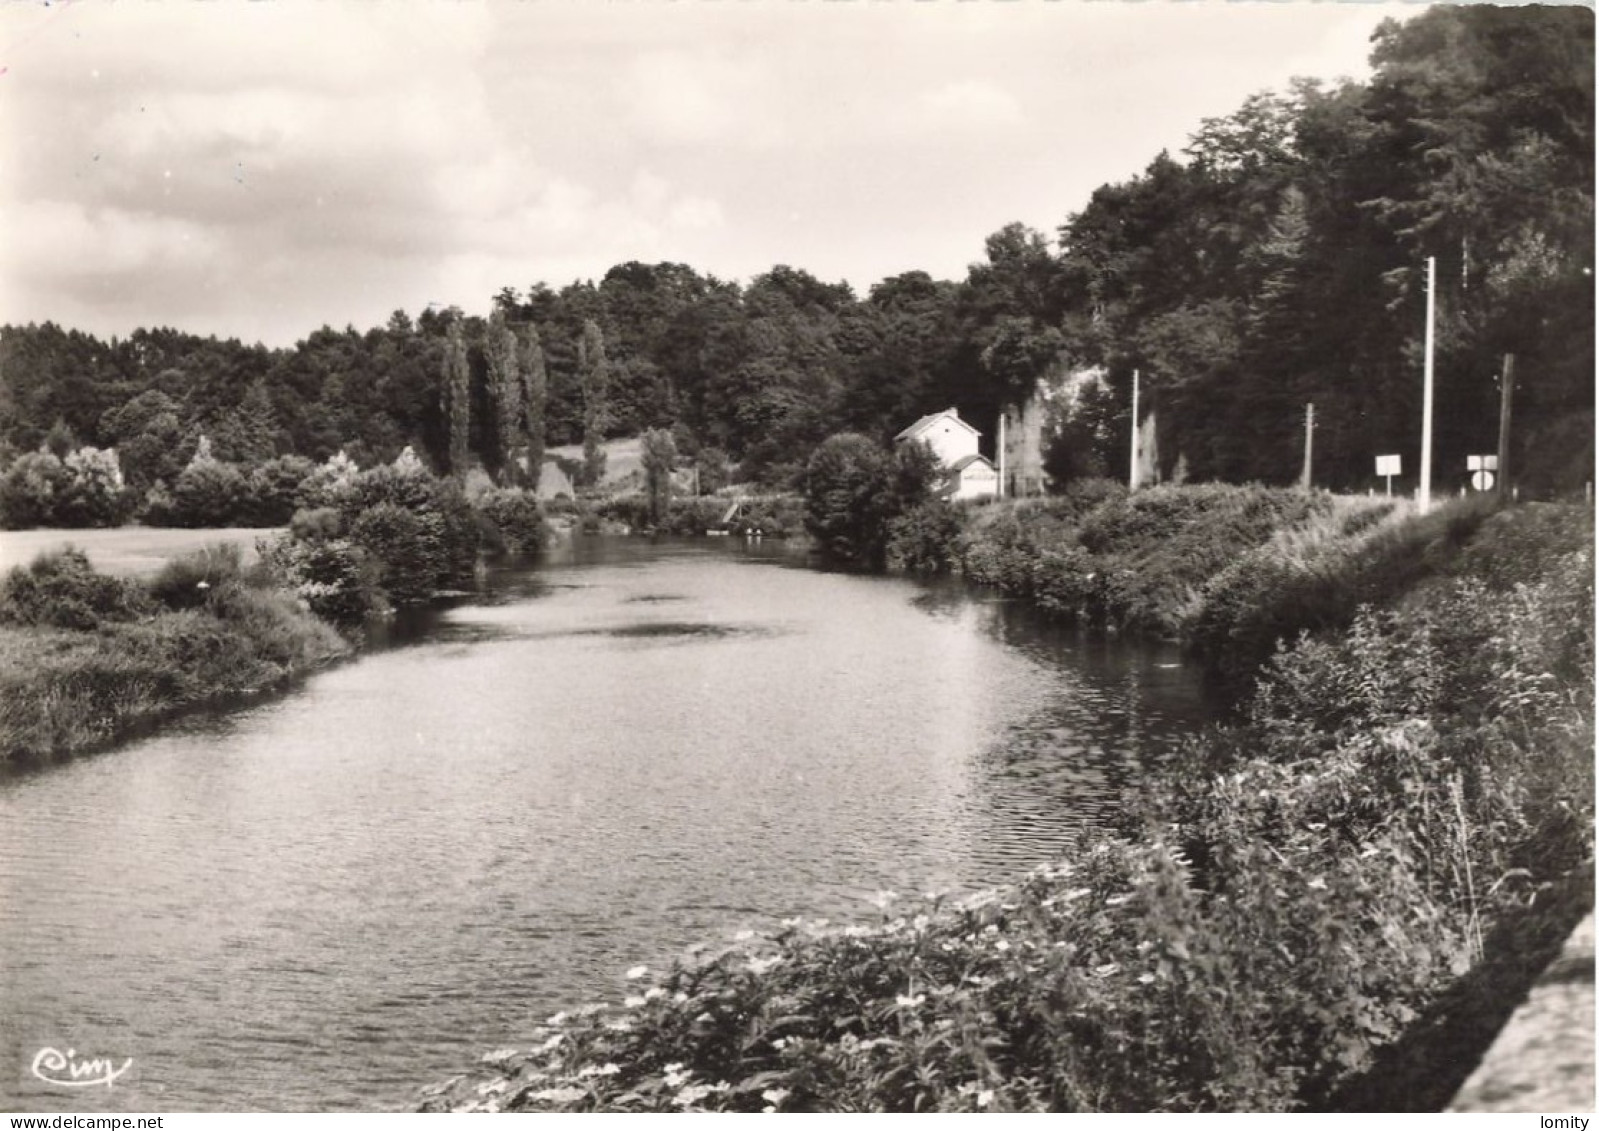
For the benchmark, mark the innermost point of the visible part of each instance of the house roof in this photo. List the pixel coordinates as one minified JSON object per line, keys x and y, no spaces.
{"x":966,"y":461}
{"x":929,"y":420}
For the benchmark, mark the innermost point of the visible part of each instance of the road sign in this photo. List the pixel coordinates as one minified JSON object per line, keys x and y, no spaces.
{"x":1388,"y":465}
{"x":1482,"y":463}
{"x":1482,"y":480}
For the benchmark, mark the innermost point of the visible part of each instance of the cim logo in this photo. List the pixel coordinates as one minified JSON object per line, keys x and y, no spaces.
{"x":65,"y":1070}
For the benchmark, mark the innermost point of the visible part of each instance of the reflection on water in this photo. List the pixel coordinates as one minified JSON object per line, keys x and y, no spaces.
{"x":326,"y":901}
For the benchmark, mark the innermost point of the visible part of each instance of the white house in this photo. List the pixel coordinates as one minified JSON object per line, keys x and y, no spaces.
{"x":950,"y":437}
{"x":972,"y":477}
{"x":968,"y":474}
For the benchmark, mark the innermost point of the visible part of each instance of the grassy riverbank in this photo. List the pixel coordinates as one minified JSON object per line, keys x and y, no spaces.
{"x":1287,"y":918}
{"x":87,"y":659}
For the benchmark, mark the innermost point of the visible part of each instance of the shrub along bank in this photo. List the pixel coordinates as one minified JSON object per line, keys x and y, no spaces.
{"x":86,"y":659}
{"x":1277,"y":914}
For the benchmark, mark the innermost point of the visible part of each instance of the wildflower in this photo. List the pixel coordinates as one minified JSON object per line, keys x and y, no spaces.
{"x":1002,"y":945}
{"x":780,"y":1044}
{"x":692,"y":1094}
{"x":991,"y":929}
{"x":1145,"y":979}
{"x":775,"y":1096}
{"x":559,"y":1095}
{"x":635,"y":1001}
{"x":675,"y":1075}
{"x":906,"y":1001}
{"x":654,"y":992}
{"x":591,"y":1070}
{"x":637,"y":972}
{"x":920,"y":922}
{"x":680,"y":997}
{"x":985,"y":1097}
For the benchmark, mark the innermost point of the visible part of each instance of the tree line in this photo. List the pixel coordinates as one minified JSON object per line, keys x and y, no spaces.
{"x":1276,"y":261}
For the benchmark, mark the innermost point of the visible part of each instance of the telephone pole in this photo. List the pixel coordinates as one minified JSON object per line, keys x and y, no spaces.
{"x":1507,"y":385}
{"x":1424,"y":494}
{"x":1132,"y":474}
{"x":1310,"y":428}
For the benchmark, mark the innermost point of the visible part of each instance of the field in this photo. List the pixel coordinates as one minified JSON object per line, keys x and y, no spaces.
{"x":128,"y":551}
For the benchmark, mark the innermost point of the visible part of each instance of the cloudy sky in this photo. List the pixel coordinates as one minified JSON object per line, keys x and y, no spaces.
{"x":260,"y":169}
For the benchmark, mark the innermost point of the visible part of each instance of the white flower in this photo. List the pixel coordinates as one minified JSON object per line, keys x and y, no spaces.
{"x":1002,"y":945}
{"x":1145,"y":979}
{"x":637,"y":972}
{"x":907,"y":1001}
{"x":775,"y":1096}
{"x":654,"y":992}
{"x":985,"y":1097}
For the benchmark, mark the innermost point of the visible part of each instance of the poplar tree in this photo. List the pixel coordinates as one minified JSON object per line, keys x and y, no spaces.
{"x":594,"y":375}
{"x":535,"y":392}
{"x":505,"y":396}
{"x":456,"y":396}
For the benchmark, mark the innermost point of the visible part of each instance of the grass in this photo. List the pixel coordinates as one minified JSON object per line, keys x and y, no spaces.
{"x":127,"y":551}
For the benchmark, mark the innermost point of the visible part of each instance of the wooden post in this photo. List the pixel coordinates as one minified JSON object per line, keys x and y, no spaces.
{"x":1310,"y":428}
{"x":1507,"y":384}
{"x":1132,"y":475}
{"x":1424,"y":493}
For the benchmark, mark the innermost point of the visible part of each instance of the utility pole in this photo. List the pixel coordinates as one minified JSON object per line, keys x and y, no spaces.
{"x":1507,"y":384}
{"x":1002,"y":451}
{"x":1132,"y":474}
{"x":1310,"y":428}
{"x":1424,"y":494}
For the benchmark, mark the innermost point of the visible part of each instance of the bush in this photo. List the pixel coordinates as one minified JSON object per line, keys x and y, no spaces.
{"x":63,"y":590}
{"x":276,"y":489}
{"x":191,"y":581}
{"x":207,"y":493}
{"x":406,"y":550}
{"x":926,"y":538}
{"x":330,"y":576}
{"x":514,"y":520}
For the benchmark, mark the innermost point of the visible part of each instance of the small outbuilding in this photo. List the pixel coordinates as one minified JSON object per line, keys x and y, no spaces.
{"x":972,"y":477}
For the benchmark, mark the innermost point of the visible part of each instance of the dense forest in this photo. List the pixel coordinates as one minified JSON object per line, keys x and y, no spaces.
{"x":1278,"y":260}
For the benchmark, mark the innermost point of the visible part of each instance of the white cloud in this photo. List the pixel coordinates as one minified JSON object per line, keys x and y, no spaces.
{"x":969,"y":105}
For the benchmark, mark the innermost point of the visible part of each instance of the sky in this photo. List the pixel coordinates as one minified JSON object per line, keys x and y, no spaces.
{"x":260,"y":169}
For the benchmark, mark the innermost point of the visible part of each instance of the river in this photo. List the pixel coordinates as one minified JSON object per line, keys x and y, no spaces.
{"x":328,"y":900}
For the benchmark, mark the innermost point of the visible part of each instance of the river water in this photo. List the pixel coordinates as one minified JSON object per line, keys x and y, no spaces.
{"x":326,"y":901}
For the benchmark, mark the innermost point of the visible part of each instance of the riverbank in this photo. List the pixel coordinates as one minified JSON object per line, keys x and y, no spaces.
{"x":88,"y":660}
{"x":1279,"y":909}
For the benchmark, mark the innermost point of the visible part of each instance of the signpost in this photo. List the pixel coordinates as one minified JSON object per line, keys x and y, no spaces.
{"x":1482,"y":470}
{"x":1388,"y":467}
